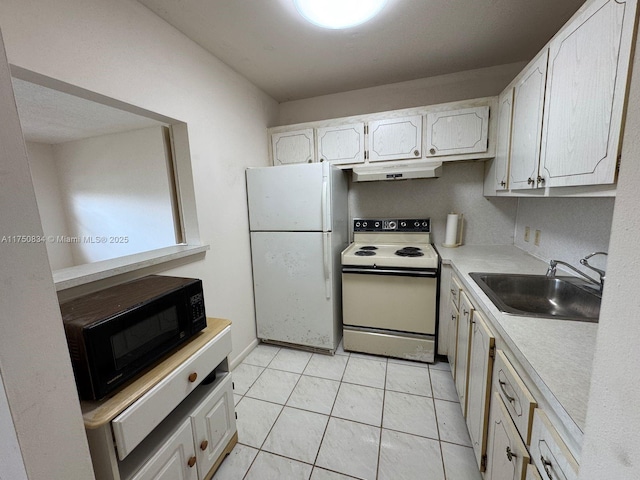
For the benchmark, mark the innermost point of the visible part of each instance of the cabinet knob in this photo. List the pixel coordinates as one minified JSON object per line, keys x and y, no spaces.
{"x":432,"y":151}
{"x":503,"y":183}
{"x":204,"y":445}
{"x":416,"y":153}
{"x":191,"y":462}
{"x":193,"y":377}
{"x":540,"y":180}
{"x":530,"y":181}
{"x":510,"y":454}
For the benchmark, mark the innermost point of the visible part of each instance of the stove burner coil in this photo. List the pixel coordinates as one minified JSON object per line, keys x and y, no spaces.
{"x":410,"y":252}
{"x":365,"y":253}
{"x":368,"y":247}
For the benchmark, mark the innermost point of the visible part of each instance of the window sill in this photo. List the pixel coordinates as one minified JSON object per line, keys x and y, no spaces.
{"x":82,"y":274}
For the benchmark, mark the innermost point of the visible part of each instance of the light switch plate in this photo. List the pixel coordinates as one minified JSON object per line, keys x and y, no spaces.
{"x":527,"y":232}
{"x":536,"y":238}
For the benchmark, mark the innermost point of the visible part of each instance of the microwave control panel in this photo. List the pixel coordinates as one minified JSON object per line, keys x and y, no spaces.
{"x":198,"y":316}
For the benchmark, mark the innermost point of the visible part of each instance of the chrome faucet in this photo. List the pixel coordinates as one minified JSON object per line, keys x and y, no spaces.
{"x":551,"y":271}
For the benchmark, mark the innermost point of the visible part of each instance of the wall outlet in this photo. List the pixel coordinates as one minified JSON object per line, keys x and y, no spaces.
{"x":536,"y":238}
{"x":527,"y":232}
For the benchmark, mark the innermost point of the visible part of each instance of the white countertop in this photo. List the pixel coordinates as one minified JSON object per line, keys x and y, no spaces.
{"x":556,"y":354}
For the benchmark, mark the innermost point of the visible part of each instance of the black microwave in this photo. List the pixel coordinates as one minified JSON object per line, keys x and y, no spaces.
{"x":115,"y":333}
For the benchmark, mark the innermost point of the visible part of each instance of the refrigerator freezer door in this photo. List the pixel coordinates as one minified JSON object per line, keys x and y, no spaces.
{"x":290,"y":198}
{"x":290,"y":289}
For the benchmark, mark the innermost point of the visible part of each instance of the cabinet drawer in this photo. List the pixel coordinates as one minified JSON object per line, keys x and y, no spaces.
{"x":137,"y":421}
{"x":549,"y":452}
{"x":516,"y":396}
{"x":532,"y":473}
{"x":455,"y":290}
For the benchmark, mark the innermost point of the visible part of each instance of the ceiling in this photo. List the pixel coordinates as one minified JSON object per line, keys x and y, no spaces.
{"x":270,"y":44}
{"x":51,"y":117}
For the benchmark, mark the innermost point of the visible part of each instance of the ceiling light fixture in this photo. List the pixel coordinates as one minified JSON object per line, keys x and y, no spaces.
{"x":336,"y":14}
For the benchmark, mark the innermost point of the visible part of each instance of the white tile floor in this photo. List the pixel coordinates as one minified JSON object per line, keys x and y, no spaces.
{"x":320,"y":417}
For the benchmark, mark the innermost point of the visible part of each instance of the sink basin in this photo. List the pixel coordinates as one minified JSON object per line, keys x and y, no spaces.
{"x":567,"y":298}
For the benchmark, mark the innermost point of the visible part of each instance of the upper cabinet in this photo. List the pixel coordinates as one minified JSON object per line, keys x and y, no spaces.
{"x":457,"y":132}
{"x":296,"y":146}
{"x":341,"y":144}
{"x":395,"y":138}
{"x":568,"y":108}
{"x":526,"y":128}
{"x":503,"y":145}
{"x":446,"y":132}
{"x":587,"y":76}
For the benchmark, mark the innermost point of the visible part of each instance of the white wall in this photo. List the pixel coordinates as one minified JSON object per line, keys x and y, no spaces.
{"x":116,"y":186}
{"x":50,"y":205}
{"x":488,"y":220}
{"x":483,"y":82}
{"x":570,"y":228}
{"x":122,"y":50}
{"x":11,"y":463}
{"x":34,"y":362}
{"x":612,"y":442}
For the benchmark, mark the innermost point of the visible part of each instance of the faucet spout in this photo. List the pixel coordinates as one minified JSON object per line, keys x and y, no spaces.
{"x":551,"y":272}
{"x":585,"y":261}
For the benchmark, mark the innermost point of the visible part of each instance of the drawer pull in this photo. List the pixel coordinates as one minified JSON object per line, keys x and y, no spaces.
{"x":193,"y":377}
{"x":510,"y":454}
{"x":547,"y":467}
{"x":465,"y":312}
{"x":453,"y":292}
{"x":191,"y":462}
{"x":504,"y":390}
{"x":204,"y":445}
{"x":453,"y":318}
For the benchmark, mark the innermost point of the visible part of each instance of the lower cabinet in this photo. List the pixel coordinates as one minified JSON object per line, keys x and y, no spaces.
{"x":507,"y":456}
{"x":175,"y":460}
{"x":452,"y":319}
{"x":462,"y":349}
{"x":481,"y":358}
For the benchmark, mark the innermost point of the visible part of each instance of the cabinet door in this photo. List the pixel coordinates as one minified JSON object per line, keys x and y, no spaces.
{"x":452,"y":337}
{"x":588,"y":70}
{"x":526,"y":132}
{"x":293,"y":147}
{"x":479,"y":390}
{"x":462,"y":349}
{"x":214,"y":424}
{"x":550,"y":453}
{"x":340,"y":145}
{"x":174,"y":461}
{"x":457,"y":132}
{"x":507,"y":457}
{"x":503,"y":145}
{"x":395,"y":138}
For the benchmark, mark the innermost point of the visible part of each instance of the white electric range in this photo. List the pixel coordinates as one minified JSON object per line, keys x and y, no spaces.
{"x":390,"y":284}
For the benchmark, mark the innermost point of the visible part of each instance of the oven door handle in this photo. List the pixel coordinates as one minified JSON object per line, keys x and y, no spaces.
{"x":391,"y":271}
{"x":326,"y":254}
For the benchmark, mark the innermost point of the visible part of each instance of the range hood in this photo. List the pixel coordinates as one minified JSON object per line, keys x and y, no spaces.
{"x":397,"y":171}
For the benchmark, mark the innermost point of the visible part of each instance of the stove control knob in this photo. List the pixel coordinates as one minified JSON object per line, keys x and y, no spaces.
{"x":416,"y":224}
{"x":358,"y":224}
{"x":424,"y":224}
{"x":364,"y":224}
{"x":392,"y":225}
{"x":403,"y":224}
{"x":377,"y":224}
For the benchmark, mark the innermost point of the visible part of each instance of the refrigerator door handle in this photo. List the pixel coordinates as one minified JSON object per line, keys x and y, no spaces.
{"x":324,"y":206}
{"x":326,"y":250}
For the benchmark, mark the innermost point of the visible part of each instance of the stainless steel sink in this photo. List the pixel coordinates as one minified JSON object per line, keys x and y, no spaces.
{"x":567,"y":298}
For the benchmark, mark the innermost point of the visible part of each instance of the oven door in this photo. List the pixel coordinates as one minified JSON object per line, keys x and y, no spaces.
{"x":390,"y":299}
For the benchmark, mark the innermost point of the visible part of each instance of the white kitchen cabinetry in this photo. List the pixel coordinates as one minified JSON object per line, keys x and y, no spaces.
{"x":532,"y":473}
{"x":507,"y":456}
{"x":296,"y":146}
{"x":174,"y":461}
{"x":457,"y":132}
{"x":549,"y":452}
{"x":479,"y":390}
{"x":526,"y":129}
{"x":462,"y":349}
{"x":395,"y":138}
{"x":175,"y":421}
{"x":452,"y":336}
{"x":503,"y":145}
{"x":341,"y":144}
{"x":585,"y":95}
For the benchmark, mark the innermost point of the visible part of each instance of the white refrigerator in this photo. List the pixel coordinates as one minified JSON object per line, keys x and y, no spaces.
{"x":298,"y":218}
